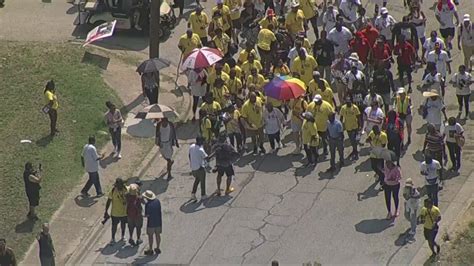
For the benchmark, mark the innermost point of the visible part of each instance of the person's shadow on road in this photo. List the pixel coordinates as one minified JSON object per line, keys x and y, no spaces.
{"x":370,"y":192}
{"x":110,"y":249}
{"x":126,"y":252}
{"x":373,"y":226}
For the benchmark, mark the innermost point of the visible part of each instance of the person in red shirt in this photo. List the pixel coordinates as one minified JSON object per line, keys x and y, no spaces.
{"x":381,"y":53}
{"x":361,"y":46}
{"x":370,"y":33}
{"x":406,"y":58}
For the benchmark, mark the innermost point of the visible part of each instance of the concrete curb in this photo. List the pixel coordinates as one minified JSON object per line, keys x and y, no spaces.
{"x":456,"y":209}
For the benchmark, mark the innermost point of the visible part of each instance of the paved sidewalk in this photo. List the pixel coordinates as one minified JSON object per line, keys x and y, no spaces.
{"x":78,"y":217}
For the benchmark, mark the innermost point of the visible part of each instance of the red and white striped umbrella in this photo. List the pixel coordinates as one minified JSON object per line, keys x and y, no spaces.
{"x":201,"y":58}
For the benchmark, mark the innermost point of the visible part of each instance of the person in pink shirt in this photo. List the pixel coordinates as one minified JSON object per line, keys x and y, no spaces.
{"x":392,"y":178}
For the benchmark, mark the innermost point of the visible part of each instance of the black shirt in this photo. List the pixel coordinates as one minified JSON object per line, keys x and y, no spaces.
{"x":382,"y":81}
{"x":45,"y":245}
{"x":30,"y":186}
{"x":323,"y":51}
{"x":8,"y":258}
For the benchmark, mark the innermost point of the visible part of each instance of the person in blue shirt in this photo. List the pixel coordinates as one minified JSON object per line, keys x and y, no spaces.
{"x":336,"y":141}
{"x":153,"y":227}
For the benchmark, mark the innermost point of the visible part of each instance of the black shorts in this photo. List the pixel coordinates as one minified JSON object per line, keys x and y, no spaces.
{"x":447,"y":32}
{"x":116,"y":220}
{"x":236,"y":24}
{"x":404,"y":68}
{"x":227,"y":170}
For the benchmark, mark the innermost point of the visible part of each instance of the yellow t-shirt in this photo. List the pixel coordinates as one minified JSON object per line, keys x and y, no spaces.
{"x":225,"y":12}
{"x":233,"y":126}
{"x":234,"y":6}
{"x":321,"y":114}
{"x":265,"y":22}
{"x":377,"y":141}
{"x":282,"y":71}
{"x":199,"y":23}
{"x":52,"y":97}
{"x":206,"y":129}
{"x":295,"y":21}
{"x":309,"y":132}
{"x":211,"y":108}
{"x":119,"y":202}
{"x":265,"y":38}
{"x":222,"y":43}
{"x":327,"y":94}
{"x":259,"y":81}
{"x":298,"y":106}
{"x":188,"y":44}
{"x":234,"y":85}
{"x":349,"y":115}
{"x":220,"y":95}
{"x":430,"y":216}
{"x":307,"y":45}
{"x":243,"y":55}
{"x":308,"y":7}
{"x":304,"y":68}
{"x":247,"y":66}
{"x":253,"y":112}
{"x":217,"y":23}
{"x":211,"y":78}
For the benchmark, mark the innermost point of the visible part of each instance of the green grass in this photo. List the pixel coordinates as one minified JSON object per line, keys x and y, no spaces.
{"x":24,"y":69}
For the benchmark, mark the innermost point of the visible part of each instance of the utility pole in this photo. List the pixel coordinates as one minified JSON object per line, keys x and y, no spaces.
{"x":155,"y":25}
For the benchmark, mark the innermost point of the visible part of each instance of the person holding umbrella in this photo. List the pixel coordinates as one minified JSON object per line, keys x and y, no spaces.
{"x":150,"y":87}
{"x":166,"y":139}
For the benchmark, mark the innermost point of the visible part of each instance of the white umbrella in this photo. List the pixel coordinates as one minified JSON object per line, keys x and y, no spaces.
{"x":201,"y":58}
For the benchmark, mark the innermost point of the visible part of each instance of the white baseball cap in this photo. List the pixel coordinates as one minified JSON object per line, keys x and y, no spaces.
{"x":383,"y":10}
{"x":317,"y":98}
{"x":467,"y":17}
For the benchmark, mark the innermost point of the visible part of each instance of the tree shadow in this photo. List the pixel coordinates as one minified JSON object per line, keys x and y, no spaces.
{"x":126,"y":252}
{"x":187,"y":131}
{"x":25,"y":227}
{"x":370,"y":192}
{"x":110,"y":249}
{"x":85,"y":202}
{"x":44,"y":141}
{"x":159,"y":185}
{"x":373,"y":226}
{"x":364,"y":166}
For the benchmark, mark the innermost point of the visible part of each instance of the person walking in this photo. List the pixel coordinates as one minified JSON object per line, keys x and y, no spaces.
{"x":32,"y":179}
{"x":378,"y":140}
{"x":434,"y":145}
{"x":429,"y":169}
{"x":114,"y":120}
{"x":440,"y":59}
{"x":225,"y":156}
{"x":197,"y":85}
{"x":7,"y":256}
{"x":373,"y":116}
{"x":392,"y":177}
{"x":252,"y":114}
{"x":335,"y":134}
{"x":323,"y":51}
{"x":117,"y":198}
{"x":310,"y":138}
{"x":430,"y":216}
{"x":350,"y":118}
{"x":298,"y":107}
{"x":384,"y":23}
{"x":454,"y":137}
{"x":166,"y":139}
{"x":462,"y":81}
{"x":51,"y":108}
{"x":433,"y":108}
{"x":444,"y":12}
{"x":383,"y":85}
{"x":150,"y":87}
{"x":198,"y":161}
{"x":90,"y":161}
{"x":273,"y":120}
{"x":412,"y":206}
{"x":46,"y":247}
{"x":394,"y":129}
{"x":134,"y":213}
{"x":406,"y":60}
{"x":154,"y":226}
{"x":321,"y":111}
{"x":402,"y":105}
{"x":466,"y":40}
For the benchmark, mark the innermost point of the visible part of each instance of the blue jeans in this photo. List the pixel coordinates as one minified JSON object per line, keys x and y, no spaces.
{"x":432,"y":193}
{"x":93,"y":180}
{"x":116,"y":138}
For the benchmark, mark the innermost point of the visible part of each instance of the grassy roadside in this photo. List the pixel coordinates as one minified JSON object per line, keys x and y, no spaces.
{"x":24,"y":68}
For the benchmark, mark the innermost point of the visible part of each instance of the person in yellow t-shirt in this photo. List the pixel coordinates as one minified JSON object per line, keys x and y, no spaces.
{"x":222,"y":41}
{"x":295,"y":19}
{"x":220,"y":92}
{"x":280,"y":69}
{"x":198,"y":22}
{"x":378,"y":140}
{"x":249,"y":64}
{"x":117,"y":198}
{"x":303,"y":66}
{"x":215,"y":74}
{"x":232,"y":126}
{"x":269,"y":19}
{"x":211,"y":106}
{"x":266,"y":40}
{"x":243,"y":55}
{"x":430,"y":216}
{"x":298,"y":107}
{"x":252,"y":114}
{"x":188,"y":42}
{"x":205,"y":128}
{"x":52,"y":106}
{"x":257,"y":79}
{"x":234,"y":6}
{"x":217,"y":22}
{"x":350,"y":114}
{"x":310,"y":11}
{"x":225,"y":12}
{"x":234,"y":84}
{"x":309,"y":130}
{"x":320,"y":86}
{"x":321,"y":111}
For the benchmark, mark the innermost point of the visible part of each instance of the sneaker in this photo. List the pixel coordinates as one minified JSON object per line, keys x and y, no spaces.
{"x":218,"y":192}
{"x":139,"y":241}
{"x":85,"y":194}
{"x":279,"y":145}
{"x":101,"y":194}
{"x":230,"y":190}
{"x":193,"y":197}
{"x":119,"y":155}
{"x":157,"y":251}
{"x":114,"y":151}
{"x":389,"y":216}
{"x":262,"y":150}
{"x":112,"y":242}
{"x":149,"y":252}
{"x":204,"y":197}
{"x":131,"y":242}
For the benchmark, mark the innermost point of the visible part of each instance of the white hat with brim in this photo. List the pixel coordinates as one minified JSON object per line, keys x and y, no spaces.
{"x":149,"y":195}
{"x":401,"y":90}
{"x":467,"y":17}
{"x":133,"y":189}
{"x":317,"y":98}
{"x":430,"y":93}
{"x":354,"y":56}
{"x":295,"y":4}
{"x":383,"y":10}
{"x":409,"y":182}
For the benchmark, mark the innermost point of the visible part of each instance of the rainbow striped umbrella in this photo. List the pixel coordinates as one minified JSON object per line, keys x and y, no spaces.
{"x":285,"y":88}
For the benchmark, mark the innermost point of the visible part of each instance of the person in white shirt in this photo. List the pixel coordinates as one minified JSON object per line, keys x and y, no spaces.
{"x":114,"y":121}
{"x":354,"y":61}
{"x":90,"y":161}
{"x":429,"y":44}
{"x":293,"y":53}
{"x":441,"y":59}
{"x":198,"y":160}
{"x":329,"y":18}
{"x":348,"y":10}
{"x":434,"y":107}
{"x":384,"y":23}
{"x":373,"y":116}
{"x":340,"y":36}
{"x":466,"y":40}
{"x":197,"y":84}
{"x":352,"y":77}
{"x":453,"y":131}
{"x":273,"y":120}
{"x":445,"y":10}
{"x":371,"y":97}
{"x":462,"y":81}
{"x":434,"y":80}
{"x":429,"y":169}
